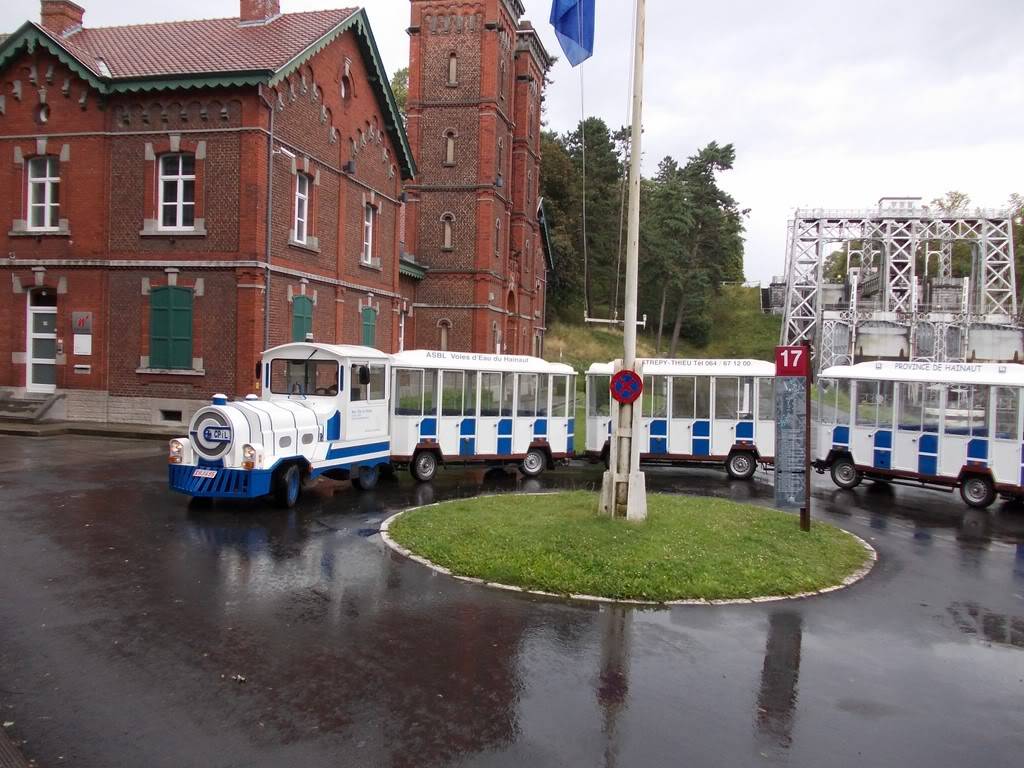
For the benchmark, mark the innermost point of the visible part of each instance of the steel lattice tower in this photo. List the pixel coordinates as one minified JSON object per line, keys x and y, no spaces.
{"x":930,"y":314}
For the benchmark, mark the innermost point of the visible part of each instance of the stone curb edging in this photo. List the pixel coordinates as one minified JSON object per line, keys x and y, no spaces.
{"x":850,"y":580}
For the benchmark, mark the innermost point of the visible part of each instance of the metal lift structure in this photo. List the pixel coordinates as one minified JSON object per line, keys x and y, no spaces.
{"x":901,"y":299}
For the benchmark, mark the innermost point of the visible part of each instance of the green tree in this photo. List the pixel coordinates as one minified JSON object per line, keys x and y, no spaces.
{"x":400,"y":88}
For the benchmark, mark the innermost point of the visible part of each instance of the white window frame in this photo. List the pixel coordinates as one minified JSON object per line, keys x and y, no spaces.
{"x":369,"y":216}
{"x":453,"y":69}
{"x":301,"y":222}
{"x":49,"y":183}
{"x":179,"y":203}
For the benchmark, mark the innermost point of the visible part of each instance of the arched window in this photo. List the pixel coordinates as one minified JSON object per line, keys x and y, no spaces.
{"x":496,"y":336}
{"x":497,"y":238}
{"x":501,"y":80}
{"x":453,"y":69}
{"x":443,"y":326}
{"x":529,"y":187}
{"x":449,"y":148}
{"x":301,"y":224}
{"x":447,"y":237}
{"x":369,"y":318}
{"x":302,"y":317}
{"x":501,"y":157}
{"x":529,"y":122}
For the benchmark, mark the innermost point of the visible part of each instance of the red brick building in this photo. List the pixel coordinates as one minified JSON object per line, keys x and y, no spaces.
{"x":178,"y":196}
{"x":476,"y":80}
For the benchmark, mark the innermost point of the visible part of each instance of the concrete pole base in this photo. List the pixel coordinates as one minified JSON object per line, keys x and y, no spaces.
{"x":636,"y":504}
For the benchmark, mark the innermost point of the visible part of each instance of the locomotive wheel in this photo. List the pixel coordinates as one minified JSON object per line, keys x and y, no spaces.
{"x":844,"y":473}
{"x":365,"y":478}
{"x":287,"y":486}
{"x":533,"y":463}
{"x":977,"y":491}
{"x":741,"y":465}
{"x":424,"y":466}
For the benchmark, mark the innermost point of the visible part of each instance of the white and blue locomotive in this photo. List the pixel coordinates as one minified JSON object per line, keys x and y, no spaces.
{"x":330,"y":410}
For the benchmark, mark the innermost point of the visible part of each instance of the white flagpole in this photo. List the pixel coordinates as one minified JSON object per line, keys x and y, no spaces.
{"x":624,"y":489}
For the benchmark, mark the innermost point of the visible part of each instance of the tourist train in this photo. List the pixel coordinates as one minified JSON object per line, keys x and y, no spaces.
{"x":350,"y":412}
{"x":347,"y":412}
{"x":942,"y":425}
{"x":702,"y":411}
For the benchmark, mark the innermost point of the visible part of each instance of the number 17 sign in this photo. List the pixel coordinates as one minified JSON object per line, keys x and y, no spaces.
{"x":792,"y":430}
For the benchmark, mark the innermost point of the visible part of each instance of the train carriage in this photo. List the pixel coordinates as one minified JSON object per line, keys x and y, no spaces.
{"x":465,"y":408}
{"x":944,"y":425}
{"x":717,"y":411}
{"x":323,"y":411}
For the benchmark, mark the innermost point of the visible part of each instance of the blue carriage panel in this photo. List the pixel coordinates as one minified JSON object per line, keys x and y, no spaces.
{"x":571,"y":442}
{"x":883,"y":449}
{"x":659,"y":436}
{"x":428,"y":428}
{"x":928,"y":454}
{"x":977,"y":451}
{"x":745,"y":431}
{"x":334,"y":427}
{"x":701,"y":438}
{"x":840,"y":437}
{"x":540,"y":428}
{"x":467,"y":437}
{"x":504,"y":436}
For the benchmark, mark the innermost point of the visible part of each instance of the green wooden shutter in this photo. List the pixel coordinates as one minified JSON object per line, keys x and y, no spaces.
{"x":369,"y":327}
{"x":170,"y":327}
{"x":302,"y":317}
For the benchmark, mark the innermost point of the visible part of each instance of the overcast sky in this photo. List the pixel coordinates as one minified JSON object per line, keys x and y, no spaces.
{"x":829,"y":103}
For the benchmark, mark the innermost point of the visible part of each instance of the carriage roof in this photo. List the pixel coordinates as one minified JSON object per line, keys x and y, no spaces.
{"x":429,"y":358}
{"x":316,"y":351}
{"x":1005,"y":374}
{"x":660,"y":366}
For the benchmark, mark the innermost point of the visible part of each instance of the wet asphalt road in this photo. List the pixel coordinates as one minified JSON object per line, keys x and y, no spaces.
{"x":125,"y":616}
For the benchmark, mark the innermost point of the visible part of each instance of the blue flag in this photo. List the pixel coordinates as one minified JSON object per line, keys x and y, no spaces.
{"x":573,"y":21}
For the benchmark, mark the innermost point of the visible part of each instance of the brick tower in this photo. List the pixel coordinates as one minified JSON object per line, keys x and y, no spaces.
{"x":476,"y":79}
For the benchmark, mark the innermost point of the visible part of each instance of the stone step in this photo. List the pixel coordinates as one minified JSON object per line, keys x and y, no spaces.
{"x":28,"y":408}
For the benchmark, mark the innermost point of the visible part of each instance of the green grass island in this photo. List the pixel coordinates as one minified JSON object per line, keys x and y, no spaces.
{"x":690,"y":547}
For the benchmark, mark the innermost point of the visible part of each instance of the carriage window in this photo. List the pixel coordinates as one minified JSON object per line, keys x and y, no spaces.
{"x":911,"y":401}
{"x":490,"y":394}
{"x":979,"y":412}
{"x":378,"y":378}
{"x":842,"y":406}
{"x":571,"y":396}
{"x":429,"y":393}
{"x":527,"y":394}
{"x":682,"y":397}
{"x":542,"y":395}
{"x":304,"y":377}
{"x":559,"y":396}
{"x":867,"y":403}
{"x":1007,"y":405}
{"x":358,"y":392}
{"x":885,"y":403}
{"x":702,"y":388}
{"x":451,"y":392}
{"x":469,"y":400}
{"x":408,"y":392}
{"x":766,"y":399}
{"x":932,"y":408}
{"x":507,"y":384}
{"x":726,"y":403}
{"x":746,"y":409}
{"x":958,"y":406}
{"x":655,"y":396}
{"x":600,"y":396}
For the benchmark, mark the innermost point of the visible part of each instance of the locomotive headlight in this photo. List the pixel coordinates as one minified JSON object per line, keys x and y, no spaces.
{"x":248,"y":457}
{"x":175,"y":451}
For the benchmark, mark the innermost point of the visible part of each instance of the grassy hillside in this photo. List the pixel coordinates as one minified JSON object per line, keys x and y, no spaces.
{"x":739,"y":329}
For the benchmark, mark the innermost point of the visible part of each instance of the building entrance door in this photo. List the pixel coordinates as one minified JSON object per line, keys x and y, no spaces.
{"x":41,"y":375}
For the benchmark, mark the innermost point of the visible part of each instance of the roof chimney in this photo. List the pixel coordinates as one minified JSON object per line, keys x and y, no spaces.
{"x":258,"y":11}
{"x":60,"y":16}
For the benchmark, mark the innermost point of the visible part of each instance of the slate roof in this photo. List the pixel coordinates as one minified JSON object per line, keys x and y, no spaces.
{"x":211,"y":53}
{"x":202,"y":46}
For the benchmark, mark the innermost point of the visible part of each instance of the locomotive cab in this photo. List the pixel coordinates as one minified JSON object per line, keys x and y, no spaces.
{"x":323,"y":410}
